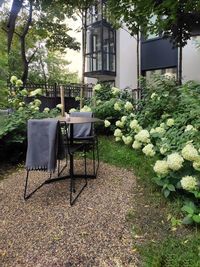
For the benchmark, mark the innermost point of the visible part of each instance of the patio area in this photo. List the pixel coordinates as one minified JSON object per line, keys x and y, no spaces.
{"x":46,"y":231}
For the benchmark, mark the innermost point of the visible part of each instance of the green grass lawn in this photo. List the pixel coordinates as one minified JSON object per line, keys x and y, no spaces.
{"x":2,"y":120}
{"x":167,"y":243}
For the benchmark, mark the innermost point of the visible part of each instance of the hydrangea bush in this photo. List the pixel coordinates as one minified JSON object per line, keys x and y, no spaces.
{"x":13,"y":133}
{"x":166,"y":125}
{"x":111,"y":105}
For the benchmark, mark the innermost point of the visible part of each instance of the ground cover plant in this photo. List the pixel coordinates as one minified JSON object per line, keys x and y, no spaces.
{"x":158,"y":235}
{"x":165,"y":125}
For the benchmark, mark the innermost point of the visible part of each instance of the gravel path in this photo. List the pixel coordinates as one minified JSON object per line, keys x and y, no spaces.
{"x":45,"y":231}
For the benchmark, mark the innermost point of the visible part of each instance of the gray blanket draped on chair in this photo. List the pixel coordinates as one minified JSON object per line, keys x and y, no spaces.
{"x":45,"y":144}
{"x":82,"y":130}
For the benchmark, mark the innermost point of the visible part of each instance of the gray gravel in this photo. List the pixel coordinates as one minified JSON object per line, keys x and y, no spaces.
{"x":45,"y":231}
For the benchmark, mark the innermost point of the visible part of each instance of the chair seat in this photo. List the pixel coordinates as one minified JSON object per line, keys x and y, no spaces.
{"x":75,"y":147}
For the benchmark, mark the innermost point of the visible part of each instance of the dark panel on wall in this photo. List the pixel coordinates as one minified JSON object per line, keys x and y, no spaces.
{"x":158,"y":54}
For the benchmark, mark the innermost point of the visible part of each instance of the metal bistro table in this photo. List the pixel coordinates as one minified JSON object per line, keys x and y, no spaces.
{"x":71,"y":121}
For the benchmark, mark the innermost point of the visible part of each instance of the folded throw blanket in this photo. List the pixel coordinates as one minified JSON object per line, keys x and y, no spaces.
{"x":45,"y":144}
{"x":82,"y":130}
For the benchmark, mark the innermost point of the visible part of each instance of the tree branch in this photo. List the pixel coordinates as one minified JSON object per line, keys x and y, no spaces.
{"x":15,"y":9}
{"x":32,"y":56}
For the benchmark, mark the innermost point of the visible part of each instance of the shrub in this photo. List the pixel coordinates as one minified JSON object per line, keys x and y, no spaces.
{"x":167,"y":125}
{"x":13,"y":132}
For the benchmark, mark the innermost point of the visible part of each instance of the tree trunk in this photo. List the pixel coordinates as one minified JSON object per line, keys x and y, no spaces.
{"x":15,"y":9}
{"x":25,"y":62}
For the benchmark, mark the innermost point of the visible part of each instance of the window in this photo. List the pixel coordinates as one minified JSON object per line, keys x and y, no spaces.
{"x":94,"y":13}
{"x":100,"y":50}
{"x":170,"y":72}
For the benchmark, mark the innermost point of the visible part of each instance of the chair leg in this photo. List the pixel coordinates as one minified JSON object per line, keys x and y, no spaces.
{"x":72,"y":182}
{"x":26,"y":185}
{"x":97,"y":145}
{"x":95,"y":166}
{"x":85,"y":161}
{"x":64,"y":167}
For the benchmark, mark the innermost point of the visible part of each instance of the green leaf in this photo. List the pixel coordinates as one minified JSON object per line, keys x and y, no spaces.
{"x":187,"y":220}
{"x":196,"y":218}
{"x":166,"y":193}
{"x":188,"y":209}
{"x":171,"y":187}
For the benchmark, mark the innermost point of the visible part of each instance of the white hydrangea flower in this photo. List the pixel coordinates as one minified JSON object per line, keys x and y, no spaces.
{"x":119,"y":124}
{"x":118,"y":133}
{"x":106,"y":123}
{"x":153,"y":95}
{"x":148,"y":150}
{"x":21,"y":104}
{"x":190,"y":128}
{"x":136,"y":145}
{"x":128,"y":106}
{"x":77,"y":98}
{"x":138,"y":129}
{"x":115,"y":91}
{"x":117,"y":139}
{"x":132,"y":115}
{"x":161,"y":167}
{"x":36,"y":108}
{"x":37,"y":102}
{"x":143,"y":136}
{"x":127,"y":140}
{"x":36,"y":92}
{"x":97,"y":87}
{"x":123,"y":118}
{"x":117,"y":106}
{"x":13,"y":79}
{"x":160,"y":130}
{"x":170,"y":122}
{"x":189,"y":152}
{"x":188,"y":182}
{"x":46,"y":110}
{"x":19,"y":83}
{"x":196,"y":164}
{"x":163,"y":150}
{"x":72,"y":110}
{"x":85,"y":109}
{"x":60,"y":106}
{"x":24,"y":92}
{"x":152,"y":131}
{"x":162,"y":125}
{"x":134,"y":124}
{"x":175,"y":161}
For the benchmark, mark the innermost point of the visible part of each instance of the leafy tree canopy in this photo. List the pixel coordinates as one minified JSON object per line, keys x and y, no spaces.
{"x":175,"y":19}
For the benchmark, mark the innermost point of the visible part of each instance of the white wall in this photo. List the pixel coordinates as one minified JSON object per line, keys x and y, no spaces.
{"x":191,"y":62}
{"x":126,"y":57}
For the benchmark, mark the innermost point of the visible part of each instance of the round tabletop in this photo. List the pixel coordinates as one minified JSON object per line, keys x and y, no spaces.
{"x":77,"y":120}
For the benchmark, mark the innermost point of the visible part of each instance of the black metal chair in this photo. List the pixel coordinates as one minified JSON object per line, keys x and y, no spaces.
{"x":85,"y":134}
{"x":42,"y":155}
{"x":70,"y":149}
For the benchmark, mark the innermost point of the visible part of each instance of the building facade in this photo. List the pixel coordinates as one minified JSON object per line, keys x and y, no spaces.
{"x":111,"y":55}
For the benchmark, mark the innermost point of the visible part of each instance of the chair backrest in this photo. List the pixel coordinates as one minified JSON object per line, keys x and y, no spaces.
{"x":82,"y":130}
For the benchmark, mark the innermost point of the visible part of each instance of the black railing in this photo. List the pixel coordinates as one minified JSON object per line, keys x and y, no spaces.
{"x":72,"y":93}
{"x":70,"y":90}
